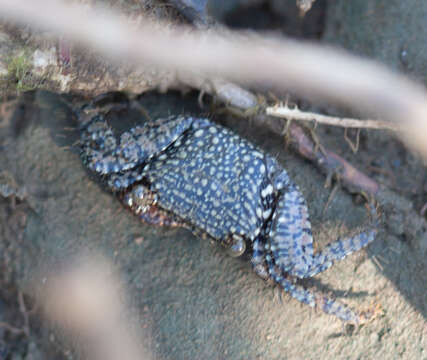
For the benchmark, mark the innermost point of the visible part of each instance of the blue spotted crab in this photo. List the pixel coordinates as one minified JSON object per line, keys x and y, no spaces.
{"x":186,"y":171}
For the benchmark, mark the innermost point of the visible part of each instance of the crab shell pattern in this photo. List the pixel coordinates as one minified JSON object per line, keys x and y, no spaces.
{"x":186,"y":171}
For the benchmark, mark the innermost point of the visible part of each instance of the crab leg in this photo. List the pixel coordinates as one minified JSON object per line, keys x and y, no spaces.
{"x":264,"y":266}
{"x":313,"y":299}
{"x":292,"y":242}
{"x":339,"y":249}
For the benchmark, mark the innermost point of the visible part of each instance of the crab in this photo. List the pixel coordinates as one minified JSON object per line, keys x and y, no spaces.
{"x":191,"y":172}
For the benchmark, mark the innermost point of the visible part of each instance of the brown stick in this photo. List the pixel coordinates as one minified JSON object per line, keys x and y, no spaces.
{"x":12,"y":329}
{"x":330,"y":162}
{"x":327,"y":161}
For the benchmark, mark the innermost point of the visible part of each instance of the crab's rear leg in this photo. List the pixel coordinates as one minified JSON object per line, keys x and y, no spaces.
{"x":104,"y":154}
{"x":314,"y":299}
{"x":263,"y":264}
{"x":290,"y":237}
{"x":291,"y":242}
{"x":340,"y":248}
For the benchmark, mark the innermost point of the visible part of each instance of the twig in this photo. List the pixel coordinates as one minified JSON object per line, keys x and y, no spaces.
{"x":375,"y":260}
{"x":353,"y":147}
{"x":304,"y":6}
{"x":296,"y":114}
{"x":329,"y":162}
{"x":25,"y":329}
{"x":25,"y":313}
{"x":12,"y":329}
{"x":330,"y":197}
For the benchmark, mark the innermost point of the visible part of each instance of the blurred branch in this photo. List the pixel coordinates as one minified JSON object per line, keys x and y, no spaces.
{"x":308,"y":70}
{"x":87,"y":301}
{"x":305,"y":6}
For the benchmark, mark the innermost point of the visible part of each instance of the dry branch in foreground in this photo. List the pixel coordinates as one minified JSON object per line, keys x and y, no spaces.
{"x":86,"y":301}
{"x":310,"y":70}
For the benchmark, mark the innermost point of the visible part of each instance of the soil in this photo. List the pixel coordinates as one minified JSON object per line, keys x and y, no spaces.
{"x":192,"y":299}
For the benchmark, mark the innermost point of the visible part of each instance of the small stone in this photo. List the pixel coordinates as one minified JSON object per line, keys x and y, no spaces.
{"x":139,"y":240}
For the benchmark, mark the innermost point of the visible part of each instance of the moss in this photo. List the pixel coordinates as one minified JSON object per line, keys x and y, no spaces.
{"x":19,"y":73}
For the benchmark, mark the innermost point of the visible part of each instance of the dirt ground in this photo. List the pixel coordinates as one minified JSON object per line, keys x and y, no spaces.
{"x":190,"y":298}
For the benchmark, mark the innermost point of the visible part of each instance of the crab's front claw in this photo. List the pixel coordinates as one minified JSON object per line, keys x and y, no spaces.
{"x":104,"y":154}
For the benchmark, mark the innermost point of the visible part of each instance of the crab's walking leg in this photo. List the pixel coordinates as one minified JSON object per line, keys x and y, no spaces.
{"x":258,"y":259}
{"x":313,"y":299}
{"x":263,"y":265}
{"x":339,"y":249}
{"x":291,"y":239}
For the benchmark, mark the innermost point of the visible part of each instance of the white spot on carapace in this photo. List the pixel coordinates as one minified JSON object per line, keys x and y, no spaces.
{"x":267,"y":191}
{"x":266,"y":214}
{"x":198,"y":133}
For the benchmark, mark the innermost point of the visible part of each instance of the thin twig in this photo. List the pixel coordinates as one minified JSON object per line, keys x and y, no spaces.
{"x":375,"y":260}
{"x":12,"y":329}
{"x":304,"y":6}
{"x":296,"y":114}
{"x":330,"y":197}
{"x":24,"y":312}
{"x":353,"y":147}
{"x":25,"y":329}
{"x":330,"y":162}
